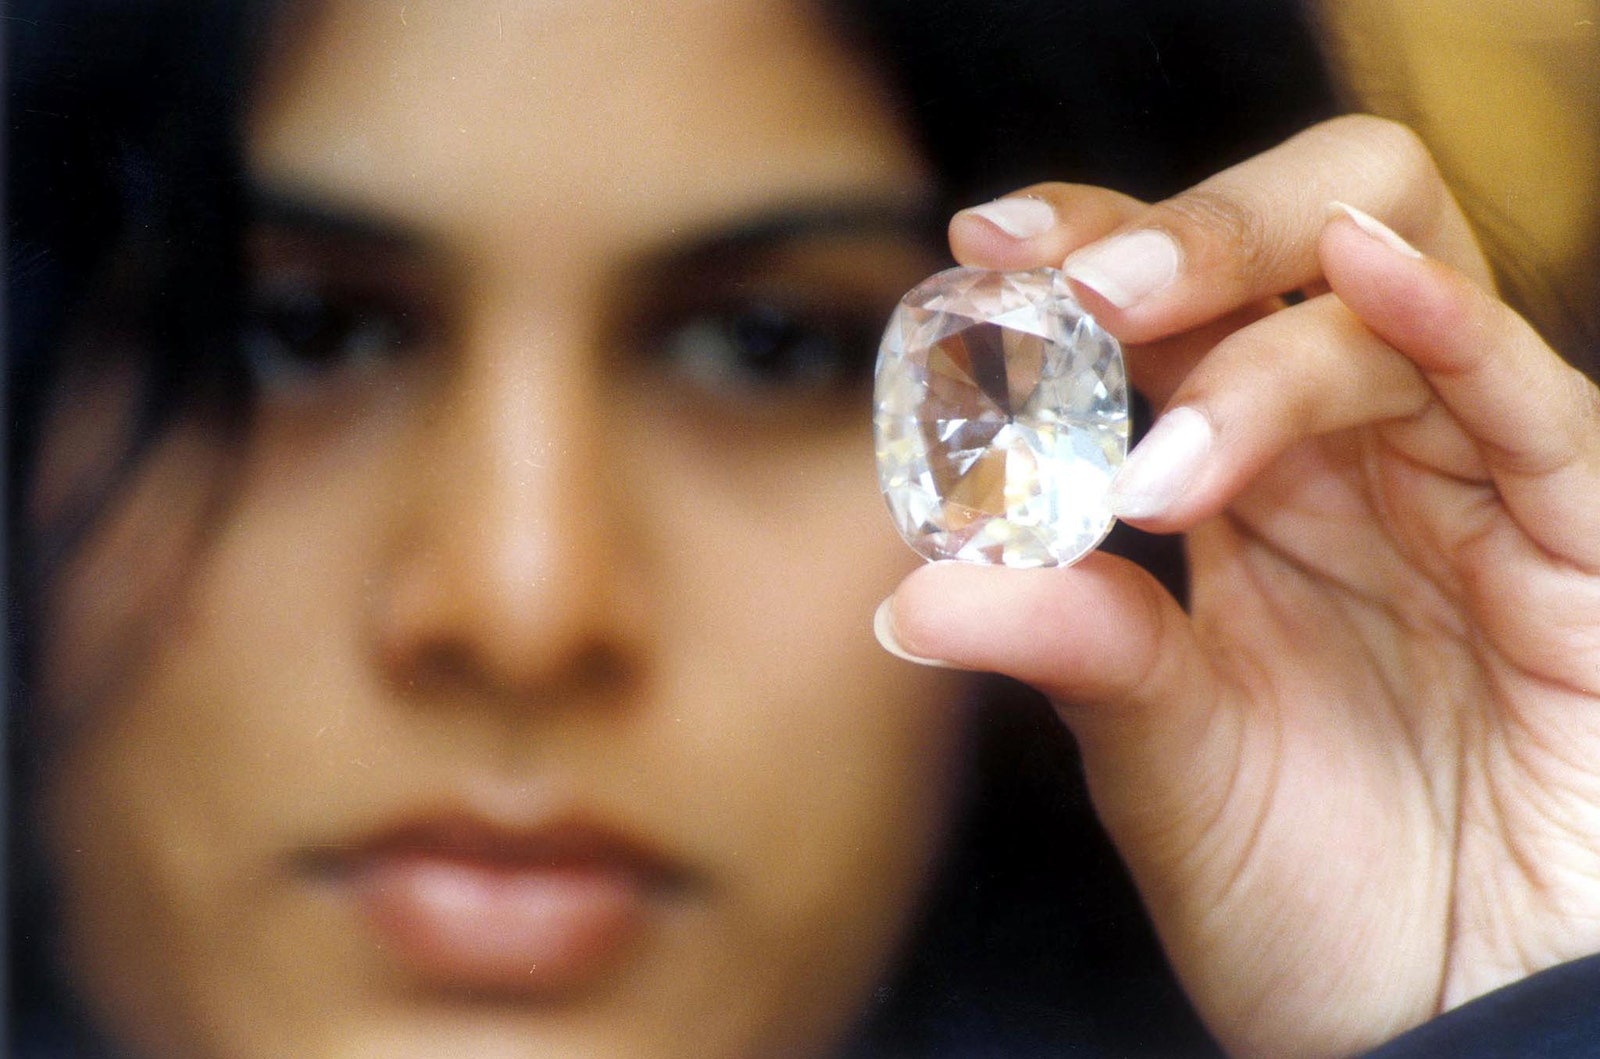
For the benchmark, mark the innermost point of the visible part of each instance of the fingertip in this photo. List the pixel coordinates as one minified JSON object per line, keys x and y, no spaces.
{"x":1163,"y":468}
{"x":1128,"y":268}
{"x":884,"y":628}
{"x":1415,"y":303}
{"x":1002,"y":234}
{"x":1019,"y":217}
{"x":1085,"y":633}
{"x":1373,"y":228}
{"x":1036,"y":226}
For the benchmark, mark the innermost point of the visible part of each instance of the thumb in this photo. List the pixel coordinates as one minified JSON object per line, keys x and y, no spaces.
{"x":1104,"y":640}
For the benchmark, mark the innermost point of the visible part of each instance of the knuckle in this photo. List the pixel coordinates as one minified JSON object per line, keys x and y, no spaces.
{"x":1393,"y":148}
{"x":1231,"y":234}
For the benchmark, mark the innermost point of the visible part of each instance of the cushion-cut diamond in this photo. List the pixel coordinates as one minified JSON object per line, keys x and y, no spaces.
{"x":1001,"y":415}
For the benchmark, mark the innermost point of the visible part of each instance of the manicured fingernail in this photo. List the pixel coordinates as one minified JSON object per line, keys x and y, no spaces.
{"x":883,"y":627}
{"x":1020,"y":218}
{"x":1162,"y":466}
{"x":1375,"y":228}
{"x":1126,"y":269}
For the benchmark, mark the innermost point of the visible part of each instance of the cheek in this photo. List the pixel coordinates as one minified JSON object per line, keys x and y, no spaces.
{"x":129,"y":577}
{"x":122,"y":807}
{"x":777,"y":559}
{"x":196,"y":649}
{"x":827,"y":752}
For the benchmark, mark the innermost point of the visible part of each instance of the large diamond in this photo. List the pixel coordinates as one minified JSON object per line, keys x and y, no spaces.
{"x":1002,"y":413}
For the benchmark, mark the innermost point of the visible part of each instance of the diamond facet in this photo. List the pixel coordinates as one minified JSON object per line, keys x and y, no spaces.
{"x":1001,"y":416}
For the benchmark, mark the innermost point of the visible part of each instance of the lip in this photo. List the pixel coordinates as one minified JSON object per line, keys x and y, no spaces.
{"x":465,"y":903}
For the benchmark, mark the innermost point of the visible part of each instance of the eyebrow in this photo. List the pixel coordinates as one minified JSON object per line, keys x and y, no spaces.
{"x":919,"y":220}
{"x":294,"y":208}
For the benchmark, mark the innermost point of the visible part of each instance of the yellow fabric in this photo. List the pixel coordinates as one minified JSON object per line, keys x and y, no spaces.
{"x":1507,"y":93}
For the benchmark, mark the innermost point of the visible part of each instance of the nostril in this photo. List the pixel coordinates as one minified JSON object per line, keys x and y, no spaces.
{"x":452,"y":623}
{"x":602,"y":669}
{"x":468,"y":614}
{"x":459,"y":671}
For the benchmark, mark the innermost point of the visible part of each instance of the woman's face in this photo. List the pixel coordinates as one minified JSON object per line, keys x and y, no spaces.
{"x":520,"y":697}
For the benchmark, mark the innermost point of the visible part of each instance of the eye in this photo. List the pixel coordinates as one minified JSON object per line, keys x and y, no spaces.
{"x":768,"y":351}
{"x":299,"y":330}
{"x":325,"y":304}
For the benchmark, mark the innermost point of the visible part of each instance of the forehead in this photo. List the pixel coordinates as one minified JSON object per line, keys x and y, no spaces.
{"x":642,"y":116}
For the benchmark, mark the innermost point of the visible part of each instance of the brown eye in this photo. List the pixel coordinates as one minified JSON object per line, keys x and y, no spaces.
{"x":296,"y":332}
{"x":332,"y":297}
{"x":764,"y":350}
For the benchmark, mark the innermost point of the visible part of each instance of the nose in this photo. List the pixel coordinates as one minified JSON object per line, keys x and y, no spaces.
{"x":506,"y":569}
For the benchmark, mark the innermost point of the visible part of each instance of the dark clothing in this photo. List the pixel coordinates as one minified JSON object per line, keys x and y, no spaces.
{"x":1552,"y":1015}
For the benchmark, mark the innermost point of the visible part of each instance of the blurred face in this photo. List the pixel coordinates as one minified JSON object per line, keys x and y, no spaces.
{"x":516,"y":694}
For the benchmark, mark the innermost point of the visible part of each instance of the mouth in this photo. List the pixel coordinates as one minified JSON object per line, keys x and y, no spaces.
{"x":466,"y":904}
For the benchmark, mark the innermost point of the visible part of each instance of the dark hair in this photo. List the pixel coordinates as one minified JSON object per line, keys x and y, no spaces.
{"x":1146,"y":96}
{"x":123,"y":216}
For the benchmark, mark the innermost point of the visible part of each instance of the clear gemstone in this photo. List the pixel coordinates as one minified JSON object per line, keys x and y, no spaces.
{"x":1001,"y":415}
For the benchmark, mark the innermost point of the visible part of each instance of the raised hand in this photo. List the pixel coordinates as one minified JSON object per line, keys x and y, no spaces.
{"x":1358,"y":780}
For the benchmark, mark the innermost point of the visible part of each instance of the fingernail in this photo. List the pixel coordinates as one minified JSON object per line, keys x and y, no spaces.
{"x":883,"y":628}
{"x":1020,"y":218}
{"x":1162,"y":466}
{"x":1126,"y":269}
{"x":1375,"y":228}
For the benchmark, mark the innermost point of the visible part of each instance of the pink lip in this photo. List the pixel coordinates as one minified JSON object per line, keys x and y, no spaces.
{"x":466,"y":904}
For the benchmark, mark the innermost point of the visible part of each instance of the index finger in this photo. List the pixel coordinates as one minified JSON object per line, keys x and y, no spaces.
{"x":1250,"y":232}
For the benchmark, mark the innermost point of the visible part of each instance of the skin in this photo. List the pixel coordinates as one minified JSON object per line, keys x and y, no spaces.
{"x":1355,"y":780}
{"x":514,"y":564}
{"x":1364,"y":755}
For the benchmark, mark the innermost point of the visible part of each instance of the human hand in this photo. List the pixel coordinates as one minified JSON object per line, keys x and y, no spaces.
{"x":1358,"y":781}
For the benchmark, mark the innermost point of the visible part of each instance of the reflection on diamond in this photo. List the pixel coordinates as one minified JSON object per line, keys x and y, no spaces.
{"x":1001,"y":416}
